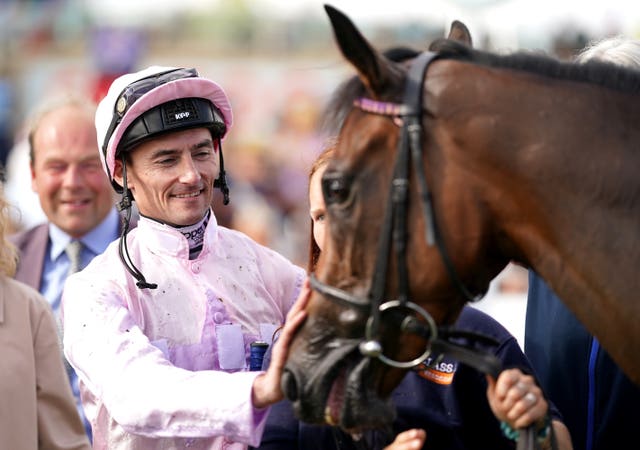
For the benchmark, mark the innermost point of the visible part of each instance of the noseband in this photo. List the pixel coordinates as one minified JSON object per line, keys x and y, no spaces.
{"x":395,"y":228}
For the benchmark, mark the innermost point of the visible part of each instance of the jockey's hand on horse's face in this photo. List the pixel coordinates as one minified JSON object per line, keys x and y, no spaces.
{"x":266,"y":386}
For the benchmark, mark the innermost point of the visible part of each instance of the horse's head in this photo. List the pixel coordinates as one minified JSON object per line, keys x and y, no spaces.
{"x":381,"y":287}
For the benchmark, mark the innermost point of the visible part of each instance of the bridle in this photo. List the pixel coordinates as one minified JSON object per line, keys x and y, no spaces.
{"x":394,"y":231}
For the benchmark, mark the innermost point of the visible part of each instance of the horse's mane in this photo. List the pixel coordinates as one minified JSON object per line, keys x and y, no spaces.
{"x":604,"y":74}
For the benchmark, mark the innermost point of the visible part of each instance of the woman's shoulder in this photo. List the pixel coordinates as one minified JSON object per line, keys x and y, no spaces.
{"x":470,"y":316}
{"x":473,"y":319}
{"x":15,"y":293}
{"x":17,"y":289}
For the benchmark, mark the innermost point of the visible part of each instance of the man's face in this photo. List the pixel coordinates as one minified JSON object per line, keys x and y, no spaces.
{"x":171,"y":177}
{"x":66,"y":173}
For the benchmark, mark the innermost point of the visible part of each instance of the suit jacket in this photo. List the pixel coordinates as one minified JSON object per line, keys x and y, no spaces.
{"x":37,"y":409}
{"x":32,"y":245}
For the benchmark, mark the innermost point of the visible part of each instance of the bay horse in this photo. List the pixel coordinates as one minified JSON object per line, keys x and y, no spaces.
{"x":517,"y":157}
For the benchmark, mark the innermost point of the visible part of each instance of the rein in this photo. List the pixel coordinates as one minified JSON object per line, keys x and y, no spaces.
{"x":394,"y":231}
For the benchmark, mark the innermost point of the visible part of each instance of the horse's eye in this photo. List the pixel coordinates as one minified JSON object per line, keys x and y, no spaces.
{"x":335,"y":189}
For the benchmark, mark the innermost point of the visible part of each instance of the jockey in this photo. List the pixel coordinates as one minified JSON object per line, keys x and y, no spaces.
{"x":160,"y":325}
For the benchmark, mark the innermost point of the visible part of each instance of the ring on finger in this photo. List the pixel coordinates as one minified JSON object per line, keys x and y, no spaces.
{"x":531,"y":398}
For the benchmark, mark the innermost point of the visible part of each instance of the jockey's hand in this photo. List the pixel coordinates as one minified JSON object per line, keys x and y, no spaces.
{"x":266,"y":386}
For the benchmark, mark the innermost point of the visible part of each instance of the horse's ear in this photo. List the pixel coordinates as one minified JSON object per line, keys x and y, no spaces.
{"x":460,"y":32}
{"x":373,"y":68}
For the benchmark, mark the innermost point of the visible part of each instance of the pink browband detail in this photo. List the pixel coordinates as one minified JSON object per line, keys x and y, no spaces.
{"x":382,"y":108}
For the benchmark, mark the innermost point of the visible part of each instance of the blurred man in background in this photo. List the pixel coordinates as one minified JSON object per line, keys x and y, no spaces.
{"x":76,"y":197}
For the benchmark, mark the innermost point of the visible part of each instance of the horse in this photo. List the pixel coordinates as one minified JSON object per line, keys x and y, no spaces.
{"x":446,"y":169}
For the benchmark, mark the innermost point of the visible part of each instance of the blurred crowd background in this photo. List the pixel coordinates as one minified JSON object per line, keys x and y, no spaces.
{"x":277,"y":61}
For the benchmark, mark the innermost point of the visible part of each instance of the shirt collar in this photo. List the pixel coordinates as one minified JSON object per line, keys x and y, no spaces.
{"x":96,"y":240}
{"x":161,"y":238}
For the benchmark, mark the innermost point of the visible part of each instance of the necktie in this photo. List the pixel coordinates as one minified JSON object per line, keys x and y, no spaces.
{"x":74,"y":253}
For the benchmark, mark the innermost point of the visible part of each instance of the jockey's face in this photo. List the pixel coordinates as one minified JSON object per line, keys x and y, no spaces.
{"x":171,"y":177}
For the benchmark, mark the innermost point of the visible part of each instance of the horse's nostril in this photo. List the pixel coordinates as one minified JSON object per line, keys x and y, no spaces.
{"x":289,"y":386}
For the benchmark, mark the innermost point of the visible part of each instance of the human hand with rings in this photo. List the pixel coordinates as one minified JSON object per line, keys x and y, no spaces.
{"x":517,"y":400}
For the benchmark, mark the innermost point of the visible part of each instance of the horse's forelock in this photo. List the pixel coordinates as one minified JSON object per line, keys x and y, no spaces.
{"x":342,"y":100}
{"x":341,"y":103}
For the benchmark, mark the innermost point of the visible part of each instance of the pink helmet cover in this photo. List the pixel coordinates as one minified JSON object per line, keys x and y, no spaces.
{"x":176,"y":89}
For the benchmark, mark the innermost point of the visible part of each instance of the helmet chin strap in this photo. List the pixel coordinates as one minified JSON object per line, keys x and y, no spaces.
{"x":221,"y":181}
{"x":125,"y":205}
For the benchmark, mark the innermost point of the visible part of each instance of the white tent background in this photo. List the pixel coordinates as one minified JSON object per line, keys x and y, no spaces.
{"x":510,"y":23}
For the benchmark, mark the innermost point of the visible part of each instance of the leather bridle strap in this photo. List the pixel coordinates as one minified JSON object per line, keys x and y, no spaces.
{"x":395,"y":225}
{"x":411,"y":132}
{"x":395,"y":215}
{"x":413,"y":127}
